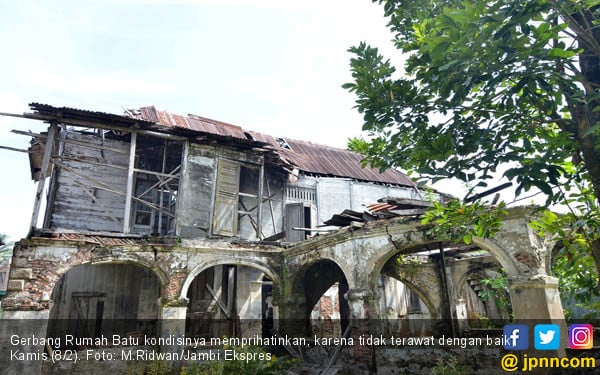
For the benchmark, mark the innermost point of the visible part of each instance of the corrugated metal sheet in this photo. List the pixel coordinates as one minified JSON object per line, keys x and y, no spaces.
{"x":306,"y":156}
{"x":193,"y":122}
{"x":325,"y":160}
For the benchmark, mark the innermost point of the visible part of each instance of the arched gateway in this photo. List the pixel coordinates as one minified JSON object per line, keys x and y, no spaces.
{"x":353,"y":257}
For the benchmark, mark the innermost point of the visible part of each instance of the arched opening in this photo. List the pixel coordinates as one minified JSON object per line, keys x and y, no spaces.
{"x":95,"y":300}
{"x":483,"y":297}
{"x":230,"y":300}
{"x":404,"y":303}
{"x":327,"y":309}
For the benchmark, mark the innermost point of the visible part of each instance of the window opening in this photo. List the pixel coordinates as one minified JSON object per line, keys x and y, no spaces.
{"x":237,"y":207}
{"x":157,"y":173}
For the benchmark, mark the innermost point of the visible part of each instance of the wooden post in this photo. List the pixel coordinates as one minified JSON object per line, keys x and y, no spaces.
{"x":161,"y":190}
{"x":230,"y":289}
{"x":261,"y":178}
{"x":270,"y":203}
{"x":54,"y":179}
{"x":129,"y":193}
{"x":180,"y":190}
{"x":41,"y":183}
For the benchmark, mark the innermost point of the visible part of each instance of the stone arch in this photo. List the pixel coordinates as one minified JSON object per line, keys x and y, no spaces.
{"x":500,"y":255}
{"x":105,"y":298}
{"x":523,"y":255}
{"x":387,"y":253}
{"x":479,"y":272}
{"x":297,"y":279}
{"x":478,"y":269}
{"x":228,"y":297}
{"x":310,"y":284}
{"x":203,"y":266}
{"x":144,"y":263}
{"x":424,"y":296}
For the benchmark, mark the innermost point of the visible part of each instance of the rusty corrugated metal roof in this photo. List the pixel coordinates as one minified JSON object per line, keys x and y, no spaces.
{"x":326,"y":160}
{"x":193,"y":122}
{"x":306,"y":156}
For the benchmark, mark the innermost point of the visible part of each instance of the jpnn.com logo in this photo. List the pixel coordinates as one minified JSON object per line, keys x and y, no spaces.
{"x":516,"y":337}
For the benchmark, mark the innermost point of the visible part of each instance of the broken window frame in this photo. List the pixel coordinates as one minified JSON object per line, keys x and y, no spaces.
{"x":230,"y":203}
{"x":156,"y":199}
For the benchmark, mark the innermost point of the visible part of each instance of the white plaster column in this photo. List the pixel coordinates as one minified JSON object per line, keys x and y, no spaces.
{"x":536,"y":300}
{"x":364,"y":322}
{"x":292,"y":315}
{"x":18,"y":325}
{"x":172,"y":324}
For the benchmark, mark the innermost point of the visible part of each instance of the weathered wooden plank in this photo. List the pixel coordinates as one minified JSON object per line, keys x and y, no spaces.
{"x":86,"y":161}
{"x":261,"y":178}
{"x":45,"y":163}
{"x":71,"y":141}
{"x":218,"y":301}
{"x":15,"y":149}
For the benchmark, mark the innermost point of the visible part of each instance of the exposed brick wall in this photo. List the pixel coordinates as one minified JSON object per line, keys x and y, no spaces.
{"x":33,"y":276}
{"x":170,"y":292}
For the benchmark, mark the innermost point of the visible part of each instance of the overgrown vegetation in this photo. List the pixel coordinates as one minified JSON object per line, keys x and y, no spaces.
{"x":459,"y":222}
{"x":572,"y":262}
{"x":155,"y":367}
{"x":501,"y":86}
{"x":496,"y":289}
{"x":451,"y":366}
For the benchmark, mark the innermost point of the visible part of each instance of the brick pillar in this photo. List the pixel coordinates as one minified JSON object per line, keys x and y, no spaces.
{"x":363,"y":312}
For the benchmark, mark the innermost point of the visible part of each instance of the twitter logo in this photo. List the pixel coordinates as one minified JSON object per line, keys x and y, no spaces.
{"x":546,"y":336}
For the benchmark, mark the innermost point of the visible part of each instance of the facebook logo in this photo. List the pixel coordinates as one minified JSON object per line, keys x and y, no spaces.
{"x":516,"y":337}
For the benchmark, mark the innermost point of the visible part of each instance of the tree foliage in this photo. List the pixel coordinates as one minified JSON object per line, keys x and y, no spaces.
{"x":501,"y":85}
{"x":460,"y":222}
{"x":572,"y":261}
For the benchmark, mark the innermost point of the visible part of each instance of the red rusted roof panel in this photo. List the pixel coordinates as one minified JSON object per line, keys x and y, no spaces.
{"x":306,"y":156}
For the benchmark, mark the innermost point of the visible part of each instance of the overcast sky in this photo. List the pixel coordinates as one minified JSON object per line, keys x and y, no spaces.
{"x":272,"y":66}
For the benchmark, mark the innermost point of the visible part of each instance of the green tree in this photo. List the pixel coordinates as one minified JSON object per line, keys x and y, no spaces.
{"x":488,"y":86}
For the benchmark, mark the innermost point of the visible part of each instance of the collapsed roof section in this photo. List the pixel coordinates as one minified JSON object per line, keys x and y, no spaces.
{"x":307,"y":157}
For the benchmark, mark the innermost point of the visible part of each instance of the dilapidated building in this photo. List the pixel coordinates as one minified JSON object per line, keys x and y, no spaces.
{"x":150,"y":217}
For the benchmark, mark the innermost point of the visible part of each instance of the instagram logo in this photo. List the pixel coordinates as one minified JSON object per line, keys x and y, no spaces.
{"x":581,"y":336}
